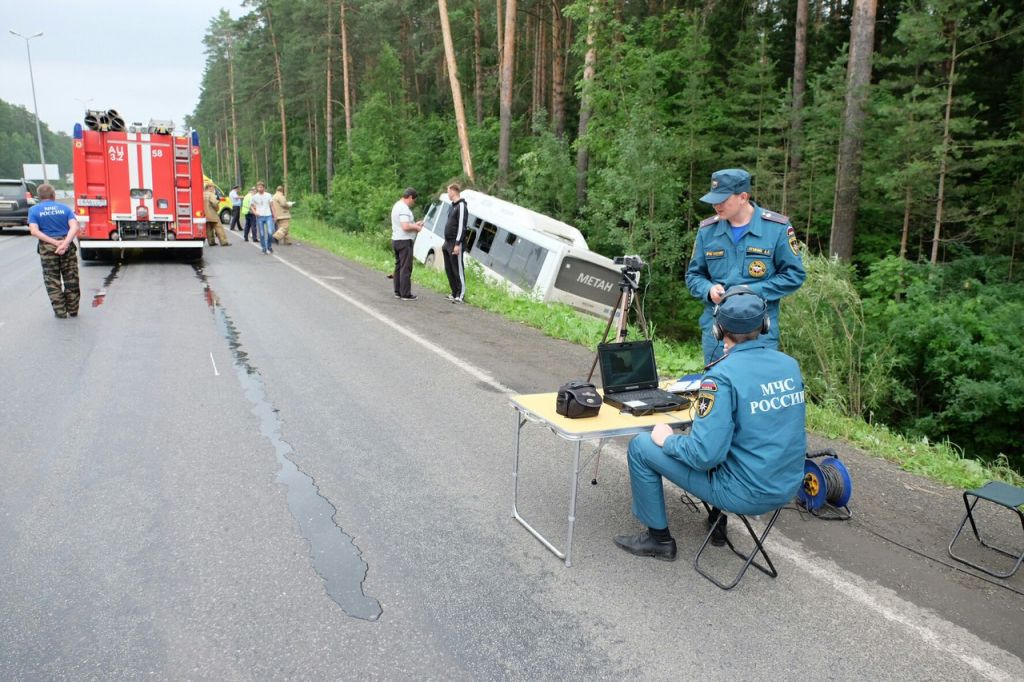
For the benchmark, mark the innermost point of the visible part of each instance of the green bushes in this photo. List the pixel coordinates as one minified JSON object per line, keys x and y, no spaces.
{"x":936,"y":352}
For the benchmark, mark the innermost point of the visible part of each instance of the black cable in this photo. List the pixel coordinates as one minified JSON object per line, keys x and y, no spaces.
{"x":802,"y":511}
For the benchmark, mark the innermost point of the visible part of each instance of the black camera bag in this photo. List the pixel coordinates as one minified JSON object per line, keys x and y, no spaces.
{"x":577,"y":399}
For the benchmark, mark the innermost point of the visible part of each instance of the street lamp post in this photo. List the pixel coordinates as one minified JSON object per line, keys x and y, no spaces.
{"x":39,"y":132}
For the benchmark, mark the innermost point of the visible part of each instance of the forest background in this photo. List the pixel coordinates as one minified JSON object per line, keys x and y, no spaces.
{"x":890,"y":133}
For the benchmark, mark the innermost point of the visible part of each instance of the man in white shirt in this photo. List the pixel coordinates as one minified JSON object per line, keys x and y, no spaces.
{"x":264,"y":217}
{"x":403,"y":232}
{"x":236,"y":209}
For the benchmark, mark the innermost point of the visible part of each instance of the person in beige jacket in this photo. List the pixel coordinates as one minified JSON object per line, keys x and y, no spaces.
{"x":282,"y":209}
{"x":213,"y":226}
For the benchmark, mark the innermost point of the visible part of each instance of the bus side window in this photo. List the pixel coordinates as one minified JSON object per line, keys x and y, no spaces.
{"x":441,"y":220}
{"x":470,"y":238}
{"x":487,"y":232}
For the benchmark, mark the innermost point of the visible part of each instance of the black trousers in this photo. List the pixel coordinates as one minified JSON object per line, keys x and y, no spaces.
{"x":250,"y":225}
{"x":403,"y":267}
{"x":236,"y":213}
{"x":455,"y":269}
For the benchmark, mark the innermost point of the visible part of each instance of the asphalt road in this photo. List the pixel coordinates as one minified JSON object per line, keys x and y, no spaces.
{"x":269,"y":468}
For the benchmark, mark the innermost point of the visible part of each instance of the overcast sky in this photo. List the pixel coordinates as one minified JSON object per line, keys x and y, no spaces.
{"x":143,"y":58}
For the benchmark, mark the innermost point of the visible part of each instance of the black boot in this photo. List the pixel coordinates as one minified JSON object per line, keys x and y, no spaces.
{"x":718,"y":534}
{"x":645,"y":545}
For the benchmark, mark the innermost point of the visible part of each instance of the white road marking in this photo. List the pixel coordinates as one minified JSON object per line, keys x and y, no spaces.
{"x":214,"y":363}
{"x":461,"y":363}
{"x":948,"y":638}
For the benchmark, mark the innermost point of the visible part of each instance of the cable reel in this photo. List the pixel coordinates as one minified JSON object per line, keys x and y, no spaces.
{"x":827,"y":486}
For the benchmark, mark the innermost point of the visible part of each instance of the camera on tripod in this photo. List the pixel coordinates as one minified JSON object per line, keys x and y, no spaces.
{"x":632,"y":263}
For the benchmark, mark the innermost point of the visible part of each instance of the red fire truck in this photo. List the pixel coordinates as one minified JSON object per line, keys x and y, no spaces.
{"x":137,"y":187}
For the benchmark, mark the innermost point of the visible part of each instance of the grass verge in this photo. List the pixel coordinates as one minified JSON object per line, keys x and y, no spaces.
{"x":942,"y":462}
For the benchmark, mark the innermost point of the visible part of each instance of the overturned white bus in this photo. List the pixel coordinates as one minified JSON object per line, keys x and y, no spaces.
{"x":531,"y":252}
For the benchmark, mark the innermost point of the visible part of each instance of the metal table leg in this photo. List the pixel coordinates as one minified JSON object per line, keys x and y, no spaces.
{"x":573,"y":483}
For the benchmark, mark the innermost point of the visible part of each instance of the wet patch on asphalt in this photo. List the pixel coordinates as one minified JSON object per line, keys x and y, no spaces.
{"x":101,"y":294}
{"x":334,"y":554}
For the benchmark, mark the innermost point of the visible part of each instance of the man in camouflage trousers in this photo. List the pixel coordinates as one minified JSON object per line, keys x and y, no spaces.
{"x":55,"y":227}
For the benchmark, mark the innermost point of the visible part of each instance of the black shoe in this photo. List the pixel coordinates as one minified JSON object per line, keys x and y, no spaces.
{"x":644,"y":545}
{"x":719,"y":533}
{"x":73,"y":314}
{"x":410,"y":297}
{"x":398,"y":296}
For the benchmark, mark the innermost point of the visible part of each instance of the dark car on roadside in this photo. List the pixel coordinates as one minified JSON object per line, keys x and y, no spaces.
{"x":16,"y":197}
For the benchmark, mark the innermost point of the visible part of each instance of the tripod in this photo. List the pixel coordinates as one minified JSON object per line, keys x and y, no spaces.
{"x":628,"y":286}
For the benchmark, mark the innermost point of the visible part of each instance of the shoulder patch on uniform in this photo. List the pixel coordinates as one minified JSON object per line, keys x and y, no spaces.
{"x":794,"y":245}
{"x":708,"y":385}
{"x":709,"y":221}
{"x":705,"y":401}
{"x":790,"y":231}
{"x":775,"y":217}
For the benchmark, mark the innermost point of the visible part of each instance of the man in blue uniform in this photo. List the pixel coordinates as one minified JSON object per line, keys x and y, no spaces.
{"x":742,"y":244}
{"x":55,"y":227}
{"x":745,"y":451}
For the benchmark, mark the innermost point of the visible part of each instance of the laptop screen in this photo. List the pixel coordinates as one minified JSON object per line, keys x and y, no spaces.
{"x":627,"y":366}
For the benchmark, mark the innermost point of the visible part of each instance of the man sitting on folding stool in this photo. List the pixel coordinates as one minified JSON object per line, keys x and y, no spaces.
{"x":745,"y":451}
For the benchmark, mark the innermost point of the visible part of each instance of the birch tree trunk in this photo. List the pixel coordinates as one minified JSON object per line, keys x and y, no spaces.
{"x":796,"y":126}
{"x":947,"y":139}
{"x":557,"y":72}
{"x":329,"y":114}
{"x":280,"y":101}
{"x":582,"y":153}
{"x":851,"y":141}
{"x":453,"y":79}
{"x":505,"y":106}
{"x":346,"y":84}
{"x":478,"y":80}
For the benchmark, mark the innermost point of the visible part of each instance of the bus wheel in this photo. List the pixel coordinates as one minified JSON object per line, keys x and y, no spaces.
{"x":429,"y":261}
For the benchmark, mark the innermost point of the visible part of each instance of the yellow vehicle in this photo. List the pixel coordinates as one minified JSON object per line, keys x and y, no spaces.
{"x":223,"y":201}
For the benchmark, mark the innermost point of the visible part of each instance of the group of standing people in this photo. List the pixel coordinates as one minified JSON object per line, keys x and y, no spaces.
{"x":404,"y":229}
{"x":267,"y":217}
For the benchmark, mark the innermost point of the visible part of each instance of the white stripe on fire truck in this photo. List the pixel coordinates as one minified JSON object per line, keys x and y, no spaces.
{"x":147,"y":168}
{"x":133,"y":169}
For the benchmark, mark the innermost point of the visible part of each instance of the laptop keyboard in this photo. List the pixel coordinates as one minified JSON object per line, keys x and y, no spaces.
{"x":647,"y":396}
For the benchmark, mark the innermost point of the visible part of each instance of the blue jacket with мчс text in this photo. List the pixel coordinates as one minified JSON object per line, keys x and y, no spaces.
{"x":749,"y":428}
{"x":766,"y":258}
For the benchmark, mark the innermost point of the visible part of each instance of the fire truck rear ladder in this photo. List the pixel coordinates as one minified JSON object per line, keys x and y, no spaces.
{"x":183,"y":185}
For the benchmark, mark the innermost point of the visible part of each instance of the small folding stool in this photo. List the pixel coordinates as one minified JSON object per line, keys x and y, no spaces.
{"x":1004,"y":495}
{"x":747,"y":558}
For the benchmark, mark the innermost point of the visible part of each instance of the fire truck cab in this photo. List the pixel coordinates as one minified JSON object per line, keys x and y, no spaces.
{"x":137,"y":187}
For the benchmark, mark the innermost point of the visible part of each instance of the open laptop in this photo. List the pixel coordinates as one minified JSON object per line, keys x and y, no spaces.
{"x":629,"y":379}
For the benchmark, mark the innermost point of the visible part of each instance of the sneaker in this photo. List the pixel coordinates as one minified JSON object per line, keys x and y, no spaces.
{"x":457,"y":300}
{"x":398,"y":296}
{"x":450,"y":297}
{"x":410,"y":297}
{"x":644,"y":545}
